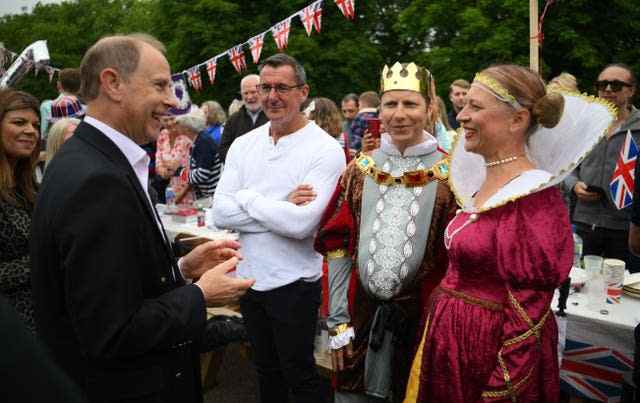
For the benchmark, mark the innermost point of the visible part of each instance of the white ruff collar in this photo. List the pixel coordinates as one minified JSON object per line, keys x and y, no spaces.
{"x":429,"y":145}
{"x":555,"y":152}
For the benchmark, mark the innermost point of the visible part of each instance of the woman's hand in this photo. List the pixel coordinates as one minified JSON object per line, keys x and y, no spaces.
{"x":337,"y":356}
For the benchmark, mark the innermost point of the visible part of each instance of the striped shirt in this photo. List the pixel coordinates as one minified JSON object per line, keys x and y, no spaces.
{"x":204,"y":166}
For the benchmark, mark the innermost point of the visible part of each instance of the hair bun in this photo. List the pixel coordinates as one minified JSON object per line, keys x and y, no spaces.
{"x":547,"y":111}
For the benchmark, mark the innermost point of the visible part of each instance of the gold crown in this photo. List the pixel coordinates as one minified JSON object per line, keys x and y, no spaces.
{"x":405,"y":76}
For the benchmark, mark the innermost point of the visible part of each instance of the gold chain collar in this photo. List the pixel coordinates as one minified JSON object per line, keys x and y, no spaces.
{"x":439,"y":171}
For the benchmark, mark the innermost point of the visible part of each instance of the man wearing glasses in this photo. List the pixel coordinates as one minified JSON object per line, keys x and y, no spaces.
{"x":277,"y":181}
{"x":603,"y":228}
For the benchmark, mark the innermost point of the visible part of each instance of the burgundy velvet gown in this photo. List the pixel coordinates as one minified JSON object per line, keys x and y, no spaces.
{"x":490,"y":335}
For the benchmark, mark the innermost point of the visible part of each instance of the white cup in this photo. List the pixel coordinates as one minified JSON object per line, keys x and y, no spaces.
{"x":613,"y":273}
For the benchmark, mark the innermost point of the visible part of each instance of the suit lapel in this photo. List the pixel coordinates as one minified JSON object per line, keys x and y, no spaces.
{"x":110,"y":150}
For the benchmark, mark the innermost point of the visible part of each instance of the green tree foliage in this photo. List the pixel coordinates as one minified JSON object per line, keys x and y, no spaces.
{"x":452,"y":38}
{"x":457,"y":38}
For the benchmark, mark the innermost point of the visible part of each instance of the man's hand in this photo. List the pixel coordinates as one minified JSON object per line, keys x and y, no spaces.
{"x":337,"y":356}
{"x":581,"y":191}
{"x":369,"y":143}
{"x":220,"y":289}
{"x":302,"y":195}
{"x":207,"y":255}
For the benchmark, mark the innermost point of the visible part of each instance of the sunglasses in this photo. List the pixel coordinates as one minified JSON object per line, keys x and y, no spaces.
{"x":616,"y":85}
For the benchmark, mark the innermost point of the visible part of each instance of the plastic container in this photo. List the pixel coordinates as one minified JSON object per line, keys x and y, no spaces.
{"x":170,"y":196}
{"x":577,"y":249}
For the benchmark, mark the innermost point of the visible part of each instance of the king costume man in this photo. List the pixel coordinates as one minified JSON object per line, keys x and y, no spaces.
{"x":382,"y":235}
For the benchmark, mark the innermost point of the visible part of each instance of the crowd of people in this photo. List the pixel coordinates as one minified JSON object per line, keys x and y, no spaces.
{"x":441,"y":249}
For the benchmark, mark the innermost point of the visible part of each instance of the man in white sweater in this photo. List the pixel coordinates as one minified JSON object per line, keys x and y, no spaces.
{"x":277,"y":181}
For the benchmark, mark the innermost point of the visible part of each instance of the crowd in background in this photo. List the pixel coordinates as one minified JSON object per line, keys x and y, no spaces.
{"x":195,"y":152}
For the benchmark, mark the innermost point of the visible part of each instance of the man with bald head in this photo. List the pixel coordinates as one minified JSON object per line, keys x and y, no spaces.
{"x":111,"y":301}
{"x":603,"y":228}
{"x":247,"y":118}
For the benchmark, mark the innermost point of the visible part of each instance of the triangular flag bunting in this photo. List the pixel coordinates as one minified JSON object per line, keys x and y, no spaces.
{"x":236,"y":56}
{"x":256,"y":43}
{"x":317,"y":15}
{"x":195,"y":80}
{"x":347,"y":7}
{"x":211,"y":69}
{"x":280,"y":33}
{"x":50,"y":71}
{"x":306,"y":16}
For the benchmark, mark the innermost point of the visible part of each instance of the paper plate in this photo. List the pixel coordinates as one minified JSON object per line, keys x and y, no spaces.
{"x":631,"y":293}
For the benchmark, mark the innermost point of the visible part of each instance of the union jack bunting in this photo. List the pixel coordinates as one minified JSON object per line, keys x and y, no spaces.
{"x":311,"y":17}
{"x":622,"y":181}
{"x":280,"y":33}
{"x":195,"y":80}
{"x":256,"y":43}
{"x":593,"y":372}
{"x":67,"y":106}
{"x":236,"y":55}
{"x":347,"y":7}
{"x":50,"y":72}
{"x":211,"y":69}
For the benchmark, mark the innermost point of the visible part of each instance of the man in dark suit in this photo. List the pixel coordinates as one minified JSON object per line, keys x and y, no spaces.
{"x":110,"y":300}
{"x":247,"y":118}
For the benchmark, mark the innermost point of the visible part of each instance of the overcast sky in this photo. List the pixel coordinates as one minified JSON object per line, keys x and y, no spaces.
{"x":15,"y":6}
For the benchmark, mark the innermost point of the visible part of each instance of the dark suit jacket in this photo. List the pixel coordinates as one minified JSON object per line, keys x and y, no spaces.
{"x":238,"y":124}
{"x":107,"y":302}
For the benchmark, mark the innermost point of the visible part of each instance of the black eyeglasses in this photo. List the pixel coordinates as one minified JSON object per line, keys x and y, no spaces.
{"x":616,"y":85}
{"x":281,"y":89}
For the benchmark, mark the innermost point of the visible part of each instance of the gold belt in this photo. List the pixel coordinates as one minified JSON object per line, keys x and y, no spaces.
{"x":485,"y":303}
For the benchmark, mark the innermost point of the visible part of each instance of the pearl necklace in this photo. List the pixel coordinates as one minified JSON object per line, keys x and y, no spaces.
{"x":448,"y":238}
{"x":502,"y":161}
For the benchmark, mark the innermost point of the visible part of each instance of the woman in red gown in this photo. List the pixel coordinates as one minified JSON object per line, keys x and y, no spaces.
{"x":490,"y":334}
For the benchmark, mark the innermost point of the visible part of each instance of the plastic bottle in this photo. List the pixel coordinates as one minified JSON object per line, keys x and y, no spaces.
{"x":577,"y":248}
{"x":170,"y":196}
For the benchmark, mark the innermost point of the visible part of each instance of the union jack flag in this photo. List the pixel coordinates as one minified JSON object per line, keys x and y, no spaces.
{"x":256,"y":43}
{"x":236,"y":55}
{"x":280,"y":33}
{"x":195,"y":79}
{"x":211,"y":69}
{"x":347,"y":7}
{"x":593,"y":372}
{"x":622,"y":181}
{"x":311,"y":17}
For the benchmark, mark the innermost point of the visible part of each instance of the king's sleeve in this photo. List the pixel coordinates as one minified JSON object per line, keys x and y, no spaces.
{"x":335,"y":240}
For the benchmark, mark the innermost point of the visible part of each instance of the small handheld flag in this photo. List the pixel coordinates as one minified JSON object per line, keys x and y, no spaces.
{"x":622,"y":181}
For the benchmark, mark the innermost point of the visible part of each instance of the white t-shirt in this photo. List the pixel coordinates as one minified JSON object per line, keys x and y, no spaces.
{"x":251,"y":198}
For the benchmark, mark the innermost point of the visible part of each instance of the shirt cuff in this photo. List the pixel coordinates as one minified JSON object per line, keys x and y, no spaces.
{"x":187,"y":280}
{"x":245,"y":197}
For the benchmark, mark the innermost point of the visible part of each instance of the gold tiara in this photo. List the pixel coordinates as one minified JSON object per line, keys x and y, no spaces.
{"x":403,"y":76}
{"x":497,"y":89}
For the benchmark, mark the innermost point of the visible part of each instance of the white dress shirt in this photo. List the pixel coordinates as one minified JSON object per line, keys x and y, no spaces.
{"x":277,"y":236}
{"x":136,"y":156}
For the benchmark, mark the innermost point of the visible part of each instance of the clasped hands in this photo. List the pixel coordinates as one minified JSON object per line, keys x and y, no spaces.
{"x":209,"y":263}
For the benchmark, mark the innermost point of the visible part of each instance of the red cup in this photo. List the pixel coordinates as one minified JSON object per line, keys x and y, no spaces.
{"x":373,"y":126}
